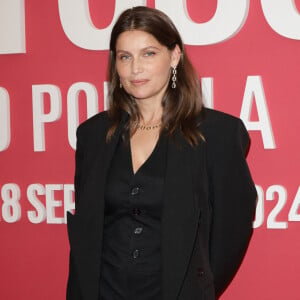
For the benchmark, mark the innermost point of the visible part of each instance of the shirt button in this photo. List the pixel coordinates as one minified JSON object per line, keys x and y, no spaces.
{"x":135,"y":191}
{"x":136,"y":253}
{"x":138,"y":230}
{"x":136,"y":211}
{"x":200,"y":272}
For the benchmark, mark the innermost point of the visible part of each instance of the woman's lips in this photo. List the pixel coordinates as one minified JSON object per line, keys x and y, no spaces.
{"x":138,"y":82}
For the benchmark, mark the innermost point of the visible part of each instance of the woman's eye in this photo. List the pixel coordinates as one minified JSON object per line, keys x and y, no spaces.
{"x":149,"y":53}
{"x":124,"y":57}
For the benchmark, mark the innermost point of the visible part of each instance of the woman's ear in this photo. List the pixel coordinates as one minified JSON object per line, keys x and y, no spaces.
{"x":175,"y":56}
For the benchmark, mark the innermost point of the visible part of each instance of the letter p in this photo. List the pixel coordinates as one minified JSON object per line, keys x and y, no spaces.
{"x":39,"y":116}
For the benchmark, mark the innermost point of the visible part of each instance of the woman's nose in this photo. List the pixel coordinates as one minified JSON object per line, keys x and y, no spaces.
{"x":136,"y":66}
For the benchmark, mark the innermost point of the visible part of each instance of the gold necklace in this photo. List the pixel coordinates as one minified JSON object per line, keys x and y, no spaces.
{"x":147,"y":127}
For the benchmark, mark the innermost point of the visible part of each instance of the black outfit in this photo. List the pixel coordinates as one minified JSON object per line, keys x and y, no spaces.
{"x":131,"y":262}
{"x":208,"y":203}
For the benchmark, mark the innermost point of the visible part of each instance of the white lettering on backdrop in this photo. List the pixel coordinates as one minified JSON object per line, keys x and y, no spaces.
{"x":12,"y":26}
{"x":227,"y":21}
{"x":39,"y":116}
{"x":278,"y":194}
{"x":294,"y":213}
{"x":72,"y":107}
{"x":255,"y":91}
{"x":275,"y":209}
{"x":105,"y":92}
{"x":283,"y":17}
{"x":207,"y":89}
{"x":11,"y":208}
{"x":39,"y":214}
{"x":230,"y":16}
{"x":48,"y":212}
{"x":79,"y":28}
{"x":4,"y":119}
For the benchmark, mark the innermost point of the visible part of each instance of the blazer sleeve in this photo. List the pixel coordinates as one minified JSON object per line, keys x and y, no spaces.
{"x":78,"y":167}
{"x":233,"y":198}
{"x":73,"y":292}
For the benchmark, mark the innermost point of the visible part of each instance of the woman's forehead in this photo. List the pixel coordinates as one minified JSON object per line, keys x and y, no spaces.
{"x":136,"y":39}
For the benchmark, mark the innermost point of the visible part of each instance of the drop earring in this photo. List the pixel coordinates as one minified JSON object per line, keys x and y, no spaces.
{"x":121,"y":86}
{"x":174,"y":78}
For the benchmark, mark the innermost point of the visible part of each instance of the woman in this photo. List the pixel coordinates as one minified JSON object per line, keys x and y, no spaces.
{"x":164,"y":198}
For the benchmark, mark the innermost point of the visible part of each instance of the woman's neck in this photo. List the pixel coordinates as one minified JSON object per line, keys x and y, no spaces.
{"x":150,"y":111}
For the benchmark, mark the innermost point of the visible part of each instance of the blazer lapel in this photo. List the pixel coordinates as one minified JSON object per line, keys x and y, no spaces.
{"x":180,"y":216}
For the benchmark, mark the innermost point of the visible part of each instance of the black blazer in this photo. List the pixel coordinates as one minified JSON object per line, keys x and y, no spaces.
{"x":209,"y":205}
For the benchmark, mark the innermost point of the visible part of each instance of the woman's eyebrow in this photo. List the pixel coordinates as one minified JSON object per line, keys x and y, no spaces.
{"x":143,"y":49}
{"x":150,"y":47}
{"x":123,"y":51}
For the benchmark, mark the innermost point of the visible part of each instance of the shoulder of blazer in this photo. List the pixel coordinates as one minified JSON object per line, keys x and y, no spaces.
{"x":221,"y":129}
{"x":93,"y":127}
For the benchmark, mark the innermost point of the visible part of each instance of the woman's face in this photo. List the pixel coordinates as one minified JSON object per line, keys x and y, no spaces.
{"x":143,"y":64}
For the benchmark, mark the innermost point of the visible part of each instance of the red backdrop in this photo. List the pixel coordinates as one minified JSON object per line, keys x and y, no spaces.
{"x":252,"y":73}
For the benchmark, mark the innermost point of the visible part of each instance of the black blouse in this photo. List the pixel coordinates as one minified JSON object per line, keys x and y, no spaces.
{"x":131,"y":256}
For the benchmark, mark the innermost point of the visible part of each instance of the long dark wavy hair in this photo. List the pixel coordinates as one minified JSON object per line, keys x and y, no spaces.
{"x":182,"y":105}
